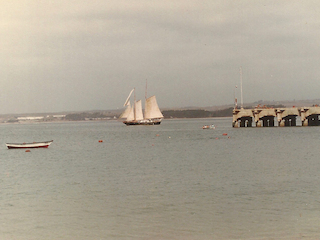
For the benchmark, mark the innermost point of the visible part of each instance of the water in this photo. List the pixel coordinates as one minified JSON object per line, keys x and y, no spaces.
{"x":173,"y":181}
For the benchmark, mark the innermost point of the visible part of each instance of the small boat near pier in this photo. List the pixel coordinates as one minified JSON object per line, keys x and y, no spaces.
{"x":208,"y":127}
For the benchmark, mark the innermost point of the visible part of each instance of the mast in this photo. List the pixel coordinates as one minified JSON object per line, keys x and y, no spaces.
{"x":134,"y":105}
{"x":145,"y":100}
{"x":146,"y":89}
{"x":241,"y":87}
{"x":235,"y":99}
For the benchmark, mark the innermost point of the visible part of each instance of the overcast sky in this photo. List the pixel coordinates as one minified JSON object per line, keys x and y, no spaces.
{"x":59,"y":55}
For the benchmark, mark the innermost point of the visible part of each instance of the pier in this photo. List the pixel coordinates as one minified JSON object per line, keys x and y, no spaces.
{"x":281,"y":117}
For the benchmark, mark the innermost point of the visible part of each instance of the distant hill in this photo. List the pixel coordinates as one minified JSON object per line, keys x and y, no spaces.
{"x":185,"y":112}
{"x":197,"y":113}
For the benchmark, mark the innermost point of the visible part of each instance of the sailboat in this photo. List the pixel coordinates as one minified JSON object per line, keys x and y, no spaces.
{"x":133,"y":114}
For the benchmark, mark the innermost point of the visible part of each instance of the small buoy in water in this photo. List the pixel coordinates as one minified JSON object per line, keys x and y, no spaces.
{"x":217,"y":138}
{"x":27,"y":150}
{"x":100,"y":141}
{"x":157,"y":135}
{"x":225,"y":134}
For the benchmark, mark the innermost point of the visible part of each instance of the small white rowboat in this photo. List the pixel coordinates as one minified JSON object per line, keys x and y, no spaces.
{"x":29,"y":145}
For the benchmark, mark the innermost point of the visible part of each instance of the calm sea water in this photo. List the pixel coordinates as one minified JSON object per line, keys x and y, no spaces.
{"x":173,"y":181}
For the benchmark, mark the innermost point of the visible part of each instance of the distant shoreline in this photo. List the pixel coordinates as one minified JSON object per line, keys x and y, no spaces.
{"x":224,"y":111}
{"x":102,"y":120}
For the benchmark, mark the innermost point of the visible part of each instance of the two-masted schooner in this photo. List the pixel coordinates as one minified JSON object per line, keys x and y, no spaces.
{"x":133,"y":114}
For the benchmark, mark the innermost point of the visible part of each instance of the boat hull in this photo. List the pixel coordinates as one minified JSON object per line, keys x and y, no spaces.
{"x":143,"y":122}
{"x":29,"y":145}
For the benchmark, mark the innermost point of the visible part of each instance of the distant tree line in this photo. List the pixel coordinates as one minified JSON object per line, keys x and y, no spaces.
{"x":200,"y":113}
{"x":197,"y":113}
{"x":266,"y":106}
{"x":191,"y":113}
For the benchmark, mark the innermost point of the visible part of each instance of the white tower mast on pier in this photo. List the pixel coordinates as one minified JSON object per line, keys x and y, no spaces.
{"x":241,"y":87}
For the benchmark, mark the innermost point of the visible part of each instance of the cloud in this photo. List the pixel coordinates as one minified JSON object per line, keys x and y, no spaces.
{"x":79,"y":55}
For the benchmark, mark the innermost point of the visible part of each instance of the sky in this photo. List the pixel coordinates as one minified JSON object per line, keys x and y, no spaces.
{"x":58,"y":55}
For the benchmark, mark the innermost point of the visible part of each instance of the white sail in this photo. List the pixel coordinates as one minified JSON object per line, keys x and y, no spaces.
{"x":127,"y":102}
{"x":138,"y":110}
{"x":126,"y":112}
{"x":130,"y":116}
{"x":152,"y":109}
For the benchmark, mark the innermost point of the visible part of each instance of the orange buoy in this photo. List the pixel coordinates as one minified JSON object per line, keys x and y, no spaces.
{"x":27,"y":150}
{"x":100,"y":141}
{"x":225,"y":134}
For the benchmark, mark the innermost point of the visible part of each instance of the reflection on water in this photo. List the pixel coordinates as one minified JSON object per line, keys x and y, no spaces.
{"x":173,"y":181}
